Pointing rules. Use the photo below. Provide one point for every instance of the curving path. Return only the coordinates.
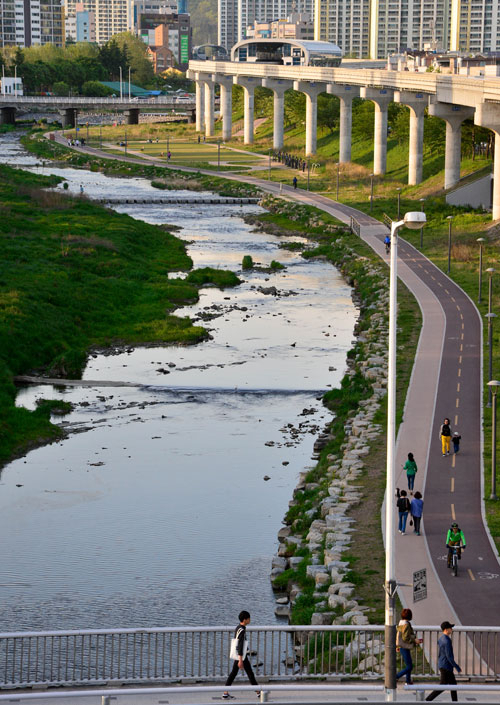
(446, 381)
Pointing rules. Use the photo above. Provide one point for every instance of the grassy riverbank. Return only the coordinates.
(76, 275)
(358, 262)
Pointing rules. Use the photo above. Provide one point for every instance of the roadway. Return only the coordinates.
(446, 381)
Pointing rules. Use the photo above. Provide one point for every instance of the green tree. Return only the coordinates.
(362, 119)
(95, 89)
(134, 54)
(328, 111)
(295, 108)
(60, 88)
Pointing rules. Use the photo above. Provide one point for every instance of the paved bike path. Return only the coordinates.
(446, 381)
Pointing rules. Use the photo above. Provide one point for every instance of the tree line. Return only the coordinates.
(79, 67)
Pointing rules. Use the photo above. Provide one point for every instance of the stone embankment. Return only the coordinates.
(313, 542)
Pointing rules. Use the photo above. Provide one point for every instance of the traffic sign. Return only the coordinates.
(419, 585)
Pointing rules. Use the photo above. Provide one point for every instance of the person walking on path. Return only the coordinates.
(403, 505)
(445, 435)
(456, 441)
(241, 651)
(416, 509)
(294, 182)
(446, 662)
(411, 471)
(405, 641)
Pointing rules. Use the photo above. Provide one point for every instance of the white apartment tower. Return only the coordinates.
(236, 15)
(376, 28)
(111, 16)
(345, 23)
(227, 34)
(475, 26)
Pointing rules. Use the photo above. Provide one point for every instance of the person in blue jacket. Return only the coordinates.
(446, 662)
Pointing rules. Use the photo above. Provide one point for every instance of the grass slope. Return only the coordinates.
(76, 275)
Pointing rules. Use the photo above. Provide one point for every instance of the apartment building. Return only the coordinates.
(36, 22)
(110, 16)
(377, 28)
(170, 31)
(475, 26)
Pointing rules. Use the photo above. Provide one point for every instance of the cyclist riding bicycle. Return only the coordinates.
(454, 539)
(387, 243)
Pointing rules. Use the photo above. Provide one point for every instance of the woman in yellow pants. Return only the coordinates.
(445, 433)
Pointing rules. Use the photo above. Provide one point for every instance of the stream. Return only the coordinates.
(154, 511)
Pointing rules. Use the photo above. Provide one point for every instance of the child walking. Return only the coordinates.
(456, 441)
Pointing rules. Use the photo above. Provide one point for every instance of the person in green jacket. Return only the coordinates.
(411, 470)
(455, 538)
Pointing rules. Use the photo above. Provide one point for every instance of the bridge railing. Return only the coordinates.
(276, 652)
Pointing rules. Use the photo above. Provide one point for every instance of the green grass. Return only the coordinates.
(75, 275)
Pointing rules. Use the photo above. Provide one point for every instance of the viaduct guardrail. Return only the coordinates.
(93, 657)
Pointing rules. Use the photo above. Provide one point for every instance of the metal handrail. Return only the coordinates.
(169, 654)
(387, 220)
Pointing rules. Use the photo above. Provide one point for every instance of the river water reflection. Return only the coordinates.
(157, 513)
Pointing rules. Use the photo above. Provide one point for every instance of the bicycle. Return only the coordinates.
(454, 560)
(387, 247)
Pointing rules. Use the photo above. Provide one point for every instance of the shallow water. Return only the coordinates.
(156, 512)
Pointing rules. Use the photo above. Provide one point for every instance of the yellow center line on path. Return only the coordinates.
(453, 299)
(453, 512)
(459, 371)
(456, 419)
(453, 465)
(457, 403)
(471, 574)
(453, 481)
(460, 360)
(439, 283)
(447, 291)
(462, 325)
(458, 386)
(462, 316)
(461, 347)
(420, 265)
(462, 337)
(433, 277)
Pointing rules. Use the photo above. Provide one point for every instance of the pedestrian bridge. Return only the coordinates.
(278, 653)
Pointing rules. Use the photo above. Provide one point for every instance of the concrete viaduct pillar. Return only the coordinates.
(8, 116)
(381, 98)
(311, 91)
(209, 107)
(200, 98)
(346, 95)
(488, 115)
(226, 104)
(278, 87)
(248, 83)
(417, 102)
(69, 117)
(453, 115)
(132, 116)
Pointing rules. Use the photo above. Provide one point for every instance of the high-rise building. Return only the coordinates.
(36, 22)
(377, 28)
(345, 23)
(111, 16)
(236, 15)
(475, 26)
(80, 27)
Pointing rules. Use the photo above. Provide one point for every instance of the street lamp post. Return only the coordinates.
(490, 271)
(218, 155)
(121, 84)
(490, 316)
(422, 200)
(100, 135)
(480, 241)
(308, 172)
(125, 140)
(269, 171)
(129, 68)
(371, 193)
(338, 181)
(449, 219)
(493, 385)
(413, 220)
(399, 203)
